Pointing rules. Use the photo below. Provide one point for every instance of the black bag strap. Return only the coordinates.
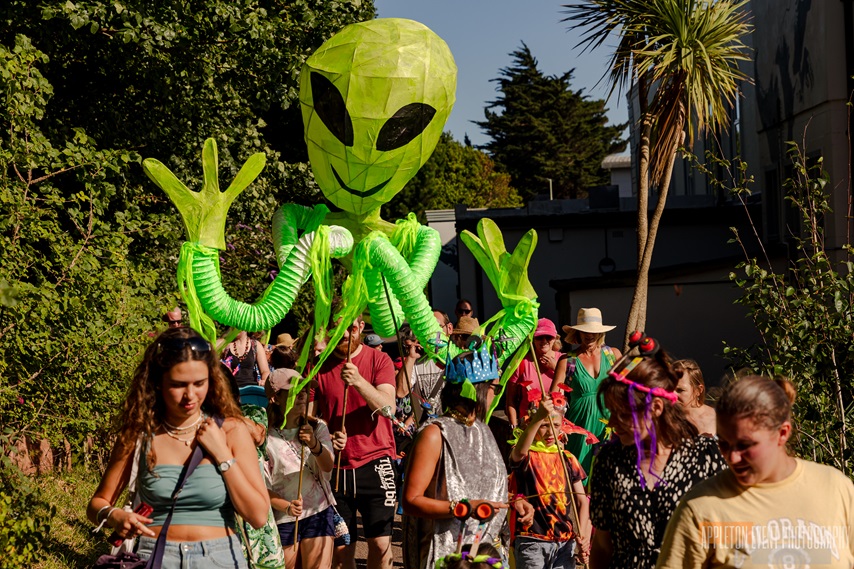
(156, 559)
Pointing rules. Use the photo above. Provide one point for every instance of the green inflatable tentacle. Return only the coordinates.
(405, 281)
(278, 298)
(414, 248)
(288, 221)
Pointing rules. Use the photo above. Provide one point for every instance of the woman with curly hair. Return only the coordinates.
(176, 399)
(657, 457)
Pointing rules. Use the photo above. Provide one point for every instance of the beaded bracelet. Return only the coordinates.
(319, 451)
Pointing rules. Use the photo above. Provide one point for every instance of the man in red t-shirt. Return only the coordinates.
(366, 443)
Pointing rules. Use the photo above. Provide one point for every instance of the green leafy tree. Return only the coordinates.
(25, 518)
(159, 78)
(804, 316)
(682, 57)
(88, 245)
(82, 307)
(541, 129)
(455, 174)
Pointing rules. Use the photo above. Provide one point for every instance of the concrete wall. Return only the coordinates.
(690, 315)
(443, 289)
(801, 96)
(578, 246)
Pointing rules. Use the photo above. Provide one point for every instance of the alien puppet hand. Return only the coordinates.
(204, 212)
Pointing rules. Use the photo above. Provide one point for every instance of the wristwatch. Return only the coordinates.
(223, 466)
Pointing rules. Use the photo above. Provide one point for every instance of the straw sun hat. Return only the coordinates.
(466, 325)
(285, 340)
(589, 320)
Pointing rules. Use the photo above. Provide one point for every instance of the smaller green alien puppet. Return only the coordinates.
(375, 98)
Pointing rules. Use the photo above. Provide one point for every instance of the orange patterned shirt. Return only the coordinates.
(540, 477)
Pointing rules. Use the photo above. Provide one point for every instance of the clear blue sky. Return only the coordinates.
(482, 34)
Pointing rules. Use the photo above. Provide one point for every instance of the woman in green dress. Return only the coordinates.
(583, 369)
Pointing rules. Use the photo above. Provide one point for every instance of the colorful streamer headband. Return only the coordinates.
(647, 348)
(654, 391)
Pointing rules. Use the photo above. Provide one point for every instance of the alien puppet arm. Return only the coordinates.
(298, 236)
(396, 275)
(508, 273)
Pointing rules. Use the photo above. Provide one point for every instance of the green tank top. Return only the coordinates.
(204, 500)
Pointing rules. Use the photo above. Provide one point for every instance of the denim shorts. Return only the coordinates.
(320, 524)
(533, 553)
(223, 552)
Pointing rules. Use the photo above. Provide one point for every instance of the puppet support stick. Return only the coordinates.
(299, 489)
(554, 434)
(343, 412)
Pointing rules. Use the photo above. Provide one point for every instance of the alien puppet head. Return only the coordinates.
(375, 98)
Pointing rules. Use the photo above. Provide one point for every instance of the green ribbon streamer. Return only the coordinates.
(405, 235)
(468, 390)
(321, 270)
(508, 371)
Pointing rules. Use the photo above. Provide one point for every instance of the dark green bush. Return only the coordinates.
(24, 518)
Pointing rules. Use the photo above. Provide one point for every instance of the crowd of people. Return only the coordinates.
(615, 461)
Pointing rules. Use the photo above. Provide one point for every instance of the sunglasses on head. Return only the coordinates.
(174, 345)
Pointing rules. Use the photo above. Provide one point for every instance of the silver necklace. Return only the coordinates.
(174, 432)
(175, 429)
(177, 438)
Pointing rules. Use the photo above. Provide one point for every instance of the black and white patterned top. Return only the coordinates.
(635, 515)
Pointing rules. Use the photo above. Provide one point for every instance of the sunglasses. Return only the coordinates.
(174, 345)
(463, 310)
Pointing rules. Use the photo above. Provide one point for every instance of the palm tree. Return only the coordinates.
(682, 57)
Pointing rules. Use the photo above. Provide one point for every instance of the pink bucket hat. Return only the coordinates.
(545, 327)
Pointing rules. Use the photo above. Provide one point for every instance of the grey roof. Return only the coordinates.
(617, 161)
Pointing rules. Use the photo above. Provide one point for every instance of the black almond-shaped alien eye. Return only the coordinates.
(407, 123)
(329, 106)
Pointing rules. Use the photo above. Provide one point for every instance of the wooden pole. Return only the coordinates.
(343, 412)
(301, 468)
(299, 488)
(571, 493)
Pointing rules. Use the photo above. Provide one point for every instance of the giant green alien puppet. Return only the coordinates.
(375, 98)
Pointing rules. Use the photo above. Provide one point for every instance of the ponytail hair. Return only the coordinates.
(768, 402)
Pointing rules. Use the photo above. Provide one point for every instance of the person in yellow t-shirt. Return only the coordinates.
(769, 509)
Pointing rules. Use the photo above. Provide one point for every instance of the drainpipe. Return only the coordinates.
(848, 26)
